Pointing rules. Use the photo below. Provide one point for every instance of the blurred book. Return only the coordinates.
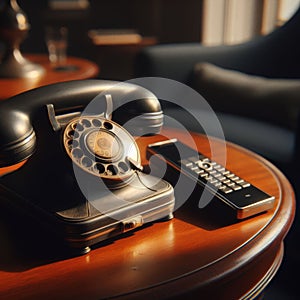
(114, 36)
(68, 4)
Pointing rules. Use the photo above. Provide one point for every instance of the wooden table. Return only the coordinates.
(195, 255)
(77, 68)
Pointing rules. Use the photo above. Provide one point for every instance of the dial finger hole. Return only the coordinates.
(97, 123)
(123, 167)
(69, 143)
(112, 170)
(99, 168)
(76, 135)
(77, 153)
(86, 123)
(87, 162)
(73, 143)
(71, 133)
(108, 125)
(79, 127)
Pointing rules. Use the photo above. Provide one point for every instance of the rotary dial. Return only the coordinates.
(101, 147)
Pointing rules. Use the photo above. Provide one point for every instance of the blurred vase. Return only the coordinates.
(14, 28)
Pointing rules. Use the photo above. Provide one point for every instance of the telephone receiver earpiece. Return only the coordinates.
(17, 137)
(22, 124)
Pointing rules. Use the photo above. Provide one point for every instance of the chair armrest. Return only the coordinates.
(268, 99)
(176, 61)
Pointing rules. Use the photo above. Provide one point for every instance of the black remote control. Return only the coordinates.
(246, 199)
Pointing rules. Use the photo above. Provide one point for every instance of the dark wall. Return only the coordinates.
(168, 21)
(35, 12)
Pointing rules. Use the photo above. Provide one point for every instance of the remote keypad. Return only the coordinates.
(215, 174)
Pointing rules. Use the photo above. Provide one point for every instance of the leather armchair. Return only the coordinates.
(267, 66)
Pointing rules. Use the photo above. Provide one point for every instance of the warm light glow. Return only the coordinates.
(12, 168)
(22, 21)
(167, 238)
(87, 259)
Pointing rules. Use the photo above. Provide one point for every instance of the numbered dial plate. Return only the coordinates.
(103, 144)
(100, 147)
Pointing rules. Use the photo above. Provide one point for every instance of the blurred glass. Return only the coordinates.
(57, 44)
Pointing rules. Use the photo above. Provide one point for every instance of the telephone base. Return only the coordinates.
(140, 205)
(169, 217)
(81, 251)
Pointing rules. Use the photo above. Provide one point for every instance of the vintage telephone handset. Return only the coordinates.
(82, 177)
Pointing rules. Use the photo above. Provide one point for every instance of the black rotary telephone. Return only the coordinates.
(82, 177)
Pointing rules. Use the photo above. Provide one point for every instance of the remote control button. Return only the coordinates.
(218, 175)
(227, 190)
(213, 181)
(204, 175)
(236, 187)
(199, 171)
(230, 175)
(189, 164)
(217, 167)
(204, 165)
(246, 184)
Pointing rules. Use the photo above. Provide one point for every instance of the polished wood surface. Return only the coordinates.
(77, 68)
(196, 255)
